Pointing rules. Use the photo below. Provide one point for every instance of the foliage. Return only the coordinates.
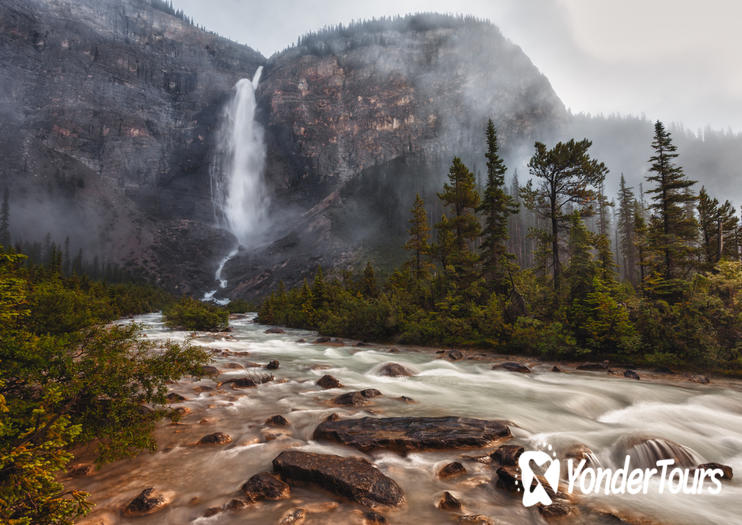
(191, 314)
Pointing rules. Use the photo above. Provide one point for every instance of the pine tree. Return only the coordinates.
(496, 206)
(419, 240)
(516, 239)
(672, 230)
(567, 177)
(627, 234)
(461, 197)
(5, 220)
(369, 288)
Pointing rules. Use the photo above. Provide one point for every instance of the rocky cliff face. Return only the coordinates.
(109, 111)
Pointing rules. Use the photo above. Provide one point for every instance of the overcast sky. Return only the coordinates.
(676, 60)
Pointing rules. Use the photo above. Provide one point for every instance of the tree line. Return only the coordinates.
(544, 268)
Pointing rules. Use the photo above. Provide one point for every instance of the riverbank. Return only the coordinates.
(230, 432)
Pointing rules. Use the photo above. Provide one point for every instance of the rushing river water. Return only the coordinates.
(601, 411)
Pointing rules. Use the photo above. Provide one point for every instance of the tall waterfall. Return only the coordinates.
(238, 193)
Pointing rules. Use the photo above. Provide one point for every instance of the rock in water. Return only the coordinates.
(149, 501)
(727, 472)
(273, 365)
(403, 434)
(265, 486)
(451, 470)
(275, 330)
(512, 366)
(395, 370)
(354, 478)
(277, 421)
(327, 381)
(217, 438)
(355, 399)
(449, 502)
(507, 454)
(631, 374)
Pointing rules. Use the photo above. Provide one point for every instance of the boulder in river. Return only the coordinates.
(277, 421)
(149, 501)
(208, 370)
(727, 472)
(217, 438)
(250, 381)
(327, 381)
(265, 486)
(273, 365)
(645, 452)
(449, 502)
(513, 366)
(592, 366)
(454, 355)
(555, 369)
(293, 517)
(275, 330)
(474, 519)
(699, 379)
(631, 374)
(507, 454)
(354, 478)
(404, 434)
(451, 470)
(174, 397)
(357, 398)
(371, 517)
(395, 370)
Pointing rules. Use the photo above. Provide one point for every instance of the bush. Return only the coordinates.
(191, 314)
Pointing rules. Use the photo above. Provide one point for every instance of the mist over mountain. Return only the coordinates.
(110, 111)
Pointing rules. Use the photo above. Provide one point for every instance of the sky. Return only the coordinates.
(673, 60)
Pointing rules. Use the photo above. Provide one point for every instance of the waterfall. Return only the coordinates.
(238, 193)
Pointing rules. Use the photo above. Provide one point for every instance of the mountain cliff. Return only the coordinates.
(110, 110)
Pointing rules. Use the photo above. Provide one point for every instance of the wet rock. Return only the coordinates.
(555, 369)
(234, 366)
(474, 519)
(332, 417)
(645, 452)
(406, 399)
(275, 330)
(293, 517)
(354, 478)
(149, 501)
(454, 355)
(353, 399)
(449, 502)
(80, 470)
(370, 393)
(302, 340)
(578, 452)
(202, 388)
(327, 381)
(248, 381)
(172, 397)
(699, 379)
(512, 366)
(508, 477)
(371, 517)
(208, 370)
(321, 340)
(592, 366)
(728, 473)
(451, 470)
(631, 374)
(556, 510)
(272, 365)
(277, 421)
(217, 438)
(211, 511)
(236, 504)
(393, 350)
(265, 486)
(395, 370)
(361, 344)
(181, 411)
(507, 454)
(403, 434)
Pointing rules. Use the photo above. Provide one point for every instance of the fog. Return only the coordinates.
(673, 60)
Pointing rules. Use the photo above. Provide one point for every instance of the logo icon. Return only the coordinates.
(536, 493)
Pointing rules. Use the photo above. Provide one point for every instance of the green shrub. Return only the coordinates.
(191, 314)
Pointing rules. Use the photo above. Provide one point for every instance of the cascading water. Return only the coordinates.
(238, 193)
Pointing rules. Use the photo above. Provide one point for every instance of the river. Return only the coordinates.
(598, 410)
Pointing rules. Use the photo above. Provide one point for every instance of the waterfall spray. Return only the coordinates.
(239, 196)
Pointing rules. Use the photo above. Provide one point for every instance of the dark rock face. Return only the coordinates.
(248, 381)
(512, 366)
(452, 470)
(149, 501)
(507, 454)
(395, 370)
(404, 434)
(217, 438)
(277, 421)
(327, 381)
(265, 486)
(727, 472)
(356, 399)
(354, 478)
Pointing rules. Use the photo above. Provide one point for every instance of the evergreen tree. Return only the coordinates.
(461, 197)
(496, 206)
(672, 231)
(5, 220)
(626, 231)
(516, 239)
(567, 176)
(419, 240)
(369, 288)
